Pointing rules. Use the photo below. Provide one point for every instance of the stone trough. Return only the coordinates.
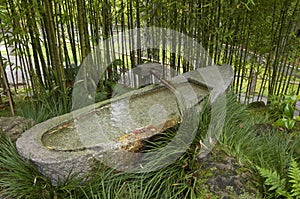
(76, 142)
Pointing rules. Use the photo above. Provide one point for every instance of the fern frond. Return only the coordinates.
(294, 175)
(284, 193)
(273, 179)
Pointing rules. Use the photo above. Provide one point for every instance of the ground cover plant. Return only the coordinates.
(283, 109)
(261, 145)
(243, 137)
(268, 149)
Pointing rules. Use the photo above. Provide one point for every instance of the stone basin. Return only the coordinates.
(74, 143)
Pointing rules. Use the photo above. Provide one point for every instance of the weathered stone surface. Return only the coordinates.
(225, 176)
(57, 162)
(13, 127)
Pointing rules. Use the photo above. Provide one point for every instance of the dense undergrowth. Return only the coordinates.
(247, 135)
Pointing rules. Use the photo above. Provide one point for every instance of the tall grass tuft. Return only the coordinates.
(175, 181)
(19, 179)
(48, 104)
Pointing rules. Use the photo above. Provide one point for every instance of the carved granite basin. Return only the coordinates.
(75, 142)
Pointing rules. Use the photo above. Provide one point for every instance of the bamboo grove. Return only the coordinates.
(48, 38)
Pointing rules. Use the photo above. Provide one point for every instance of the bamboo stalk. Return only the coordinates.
(7, 88)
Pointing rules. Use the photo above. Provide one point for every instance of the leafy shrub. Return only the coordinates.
(283, 109)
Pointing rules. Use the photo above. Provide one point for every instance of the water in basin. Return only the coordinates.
(139, 116)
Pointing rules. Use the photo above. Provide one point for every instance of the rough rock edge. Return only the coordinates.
(225, 176)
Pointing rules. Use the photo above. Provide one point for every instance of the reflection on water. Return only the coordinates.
(120, 116)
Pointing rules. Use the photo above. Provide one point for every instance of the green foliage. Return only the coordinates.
(294, 175)
(71, 72)
(249, 135)
(285, 122)
(3, 16)
(274, 180)
(283, 109)
(174, 181)
(47, 104)
(222, 27)
(182, 178)
(19, 179)
(239, 133)
(279, 186)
